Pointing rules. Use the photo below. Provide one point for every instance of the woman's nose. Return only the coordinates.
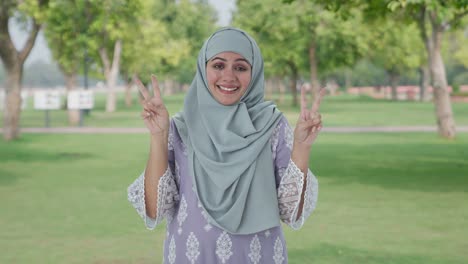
(228, 74)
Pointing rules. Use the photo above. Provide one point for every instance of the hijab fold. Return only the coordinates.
(229, 155)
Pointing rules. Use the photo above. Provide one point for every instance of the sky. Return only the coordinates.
(41, 52)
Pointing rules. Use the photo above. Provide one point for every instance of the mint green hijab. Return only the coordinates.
(229, 155)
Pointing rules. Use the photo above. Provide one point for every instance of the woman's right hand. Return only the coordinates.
(154, 114)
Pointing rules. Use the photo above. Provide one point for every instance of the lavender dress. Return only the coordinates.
(190, 238)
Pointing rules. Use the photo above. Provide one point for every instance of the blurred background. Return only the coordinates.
(392, 160)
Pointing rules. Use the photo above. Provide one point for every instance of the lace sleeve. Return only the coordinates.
(290, 179)
(168, 194)
(167, 198)
(290, 192)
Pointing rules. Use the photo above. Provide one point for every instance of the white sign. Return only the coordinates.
(46, 100)
(80, 99)
(24, 99)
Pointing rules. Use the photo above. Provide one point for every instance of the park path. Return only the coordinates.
(128, 130)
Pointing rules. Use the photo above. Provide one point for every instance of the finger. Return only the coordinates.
(303, 97)
(156, 91)
(142, 88)
(150, 107)
(308, 124)
(315, 116)
(145, 114)
(303, 102)
(318, 100)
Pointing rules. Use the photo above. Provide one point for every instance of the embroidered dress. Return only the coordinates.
(190, 238)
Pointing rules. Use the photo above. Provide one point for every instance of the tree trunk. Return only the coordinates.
(282, 90)
(314, 82)
(443, 105)
(128, 91)
(348, 79)
(293, 82)
(111, 72)
(128, 94)
(73, 114)
(168, 86)
(268, 89)
(292, 87)
(394, 84)
(12, 108)
(424, 81)
(13, 61)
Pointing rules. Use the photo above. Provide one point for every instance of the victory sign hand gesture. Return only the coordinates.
(154, 114)
(310, 121)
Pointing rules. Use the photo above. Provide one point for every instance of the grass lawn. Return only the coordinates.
(343, 110)
(384, 198)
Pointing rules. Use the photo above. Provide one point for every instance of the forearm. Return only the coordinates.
(155, 168)
(300, 156)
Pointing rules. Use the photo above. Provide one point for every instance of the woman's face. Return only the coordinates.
(228, 75)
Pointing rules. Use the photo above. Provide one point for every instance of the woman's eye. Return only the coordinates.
(241, 68)
(218, 66)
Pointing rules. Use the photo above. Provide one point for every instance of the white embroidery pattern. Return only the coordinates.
(172, 251)
(288, 134)
(182, 215)
(168, 196)
(177, 173)
(274, 139)
(255, 248)
(267, 233)
(136, 195)
(170, 139)
(184, 148)
(223, 247)
(192, 244)
(208, 226)
(278, 251)
(310, 202)
(289, 191)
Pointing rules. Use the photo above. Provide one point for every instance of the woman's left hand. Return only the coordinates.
(310, 121)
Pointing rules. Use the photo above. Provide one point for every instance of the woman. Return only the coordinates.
(226, 170)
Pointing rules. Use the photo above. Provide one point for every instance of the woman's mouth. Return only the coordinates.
(227, 90)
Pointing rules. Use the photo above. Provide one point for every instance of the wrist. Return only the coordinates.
(159, 138)
(301, 146)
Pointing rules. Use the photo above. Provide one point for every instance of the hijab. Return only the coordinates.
(229, 155)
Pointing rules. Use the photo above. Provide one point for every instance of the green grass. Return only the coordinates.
(384, 198)
(343, 110)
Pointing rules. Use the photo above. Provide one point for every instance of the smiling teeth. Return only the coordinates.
(227, 89)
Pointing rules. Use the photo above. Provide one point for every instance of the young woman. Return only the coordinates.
(228, 168)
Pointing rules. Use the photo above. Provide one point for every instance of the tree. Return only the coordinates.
(111, 20)
(31, 13)
(300, 35)
(434, 18)
(277, 31)
(65, 27)
(395, 47)
(190, 22)
(440, 15)
(161, 49)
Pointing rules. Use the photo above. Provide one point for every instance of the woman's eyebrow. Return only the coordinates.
(242, 59)
(223, 59)
(218, 58)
